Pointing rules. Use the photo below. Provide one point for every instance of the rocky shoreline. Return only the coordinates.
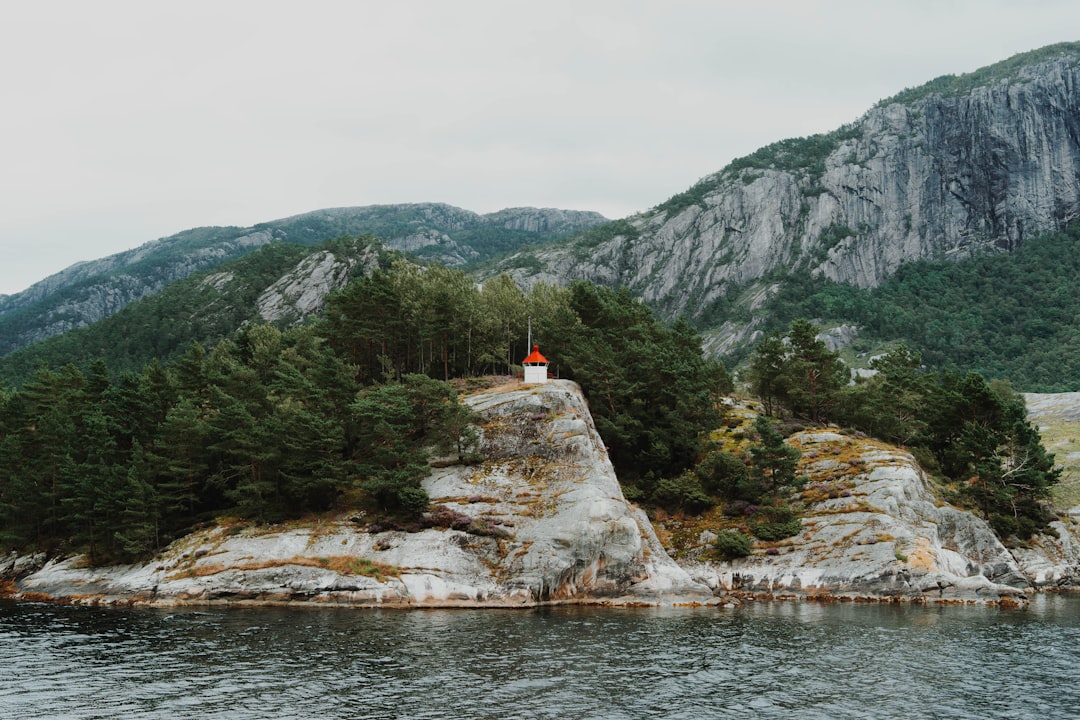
(543, 521)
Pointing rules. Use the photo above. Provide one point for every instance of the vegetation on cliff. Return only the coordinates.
(971, 433)
(1009, 316)
(272, 424)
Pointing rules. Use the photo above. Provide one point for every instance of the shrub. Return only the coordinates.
(775, 523)
(683, 492)
(412, 500)
(732, 544)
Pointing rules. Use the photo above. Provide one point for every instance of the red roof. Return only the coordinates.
(535, 358)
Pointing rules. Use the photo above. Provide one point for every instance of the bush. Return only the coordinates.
(732, 544)
(775, 523)
(681, 493)
(724, 474)
(412, 500)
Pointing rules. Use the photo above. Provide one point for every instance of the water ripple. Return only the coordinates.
(763, 661)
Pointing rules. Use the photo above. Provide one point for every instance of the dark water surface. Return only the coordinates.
(769, 660)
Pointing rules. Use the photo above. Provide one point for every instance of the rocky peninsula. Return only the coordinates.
(542, 520)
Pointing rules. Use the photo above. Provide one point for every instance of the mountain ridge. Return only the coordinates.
(955, 174)
(91, 290)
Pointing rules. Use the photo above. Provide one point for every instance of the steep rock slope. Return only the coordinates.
(89, 291)
(965, 165)
(547, 523)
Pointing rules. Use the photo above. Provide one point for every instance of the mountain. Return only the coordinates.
(89, 291)
(960, 167)
(280, 283)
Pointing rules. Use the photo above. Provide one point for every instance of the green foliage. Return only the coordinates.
(683, 492)
(798, 373)
(953, 85)
(775, 523)
(272, 424)
(1004, 316)
(725, 475)
(695, 195)
(650, 390)
(203, 308)
(773, 461)
(732, 544)
(973, 432)
(269, 425)
(601, 234)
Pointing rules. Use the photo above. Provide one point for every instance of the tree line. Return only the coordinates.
(273, 424)
(970, 433)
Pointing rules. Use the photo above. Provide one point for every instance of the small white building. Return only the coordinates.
(536, 366)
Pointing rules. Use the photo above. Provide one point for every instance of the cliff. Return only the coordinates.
(965, 165)
(543, 520)
(874, 529)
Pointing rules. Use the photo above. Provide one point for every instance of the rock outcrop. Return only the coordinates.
(546, 522)
(303, 292)
(872, 530)
(543, 520)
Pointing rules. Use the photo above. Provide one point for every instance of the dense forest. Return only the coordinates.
(271, 424)
(1012, 316)
(206, 307)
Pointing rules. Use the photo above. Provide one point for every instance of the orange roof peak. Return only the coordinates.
(535, 358)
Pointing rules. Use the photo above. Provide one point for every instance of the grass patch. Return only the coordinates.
(341, 564)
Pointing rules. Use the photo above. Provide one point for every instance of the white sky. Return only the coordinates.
(122, 121)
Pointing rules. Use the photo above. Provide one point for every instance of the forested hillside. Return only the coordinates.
(338, 414)
(962, 167)
(204, 308)
(90, 291)
(1012, 317)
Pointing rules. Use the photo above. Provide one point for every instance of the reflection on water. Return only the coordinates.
(782, 660)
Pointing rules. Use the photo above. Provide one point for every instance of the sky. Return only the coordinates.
(122, 121)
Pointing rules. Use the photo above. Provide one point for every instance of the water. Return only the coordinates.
(768, 660)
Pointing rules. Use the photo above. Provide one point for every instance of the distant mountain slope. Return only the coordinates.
(959, 167)
(89, 291)
(282, 283)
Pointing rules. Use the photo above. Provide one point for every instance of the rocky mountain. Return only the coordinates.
(89, 291)
(964, 165)
(279, 283)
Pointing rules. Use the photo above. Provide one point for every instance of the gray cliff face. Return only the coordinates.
(543, 220)
(942, 176)
(303, 292)
(873, 530)
(90, 291)
(547, 523)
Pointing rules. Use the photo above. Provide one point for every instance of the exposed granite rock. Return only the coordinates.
(546, 522)
(89, 291)
(303, 292)
(549, 524)
(873, 530)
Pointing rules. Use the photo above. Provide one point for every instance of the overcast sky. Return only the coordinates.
(124, 120)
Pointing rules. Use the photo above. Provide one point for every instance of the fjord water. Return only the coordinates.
(782, 660)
